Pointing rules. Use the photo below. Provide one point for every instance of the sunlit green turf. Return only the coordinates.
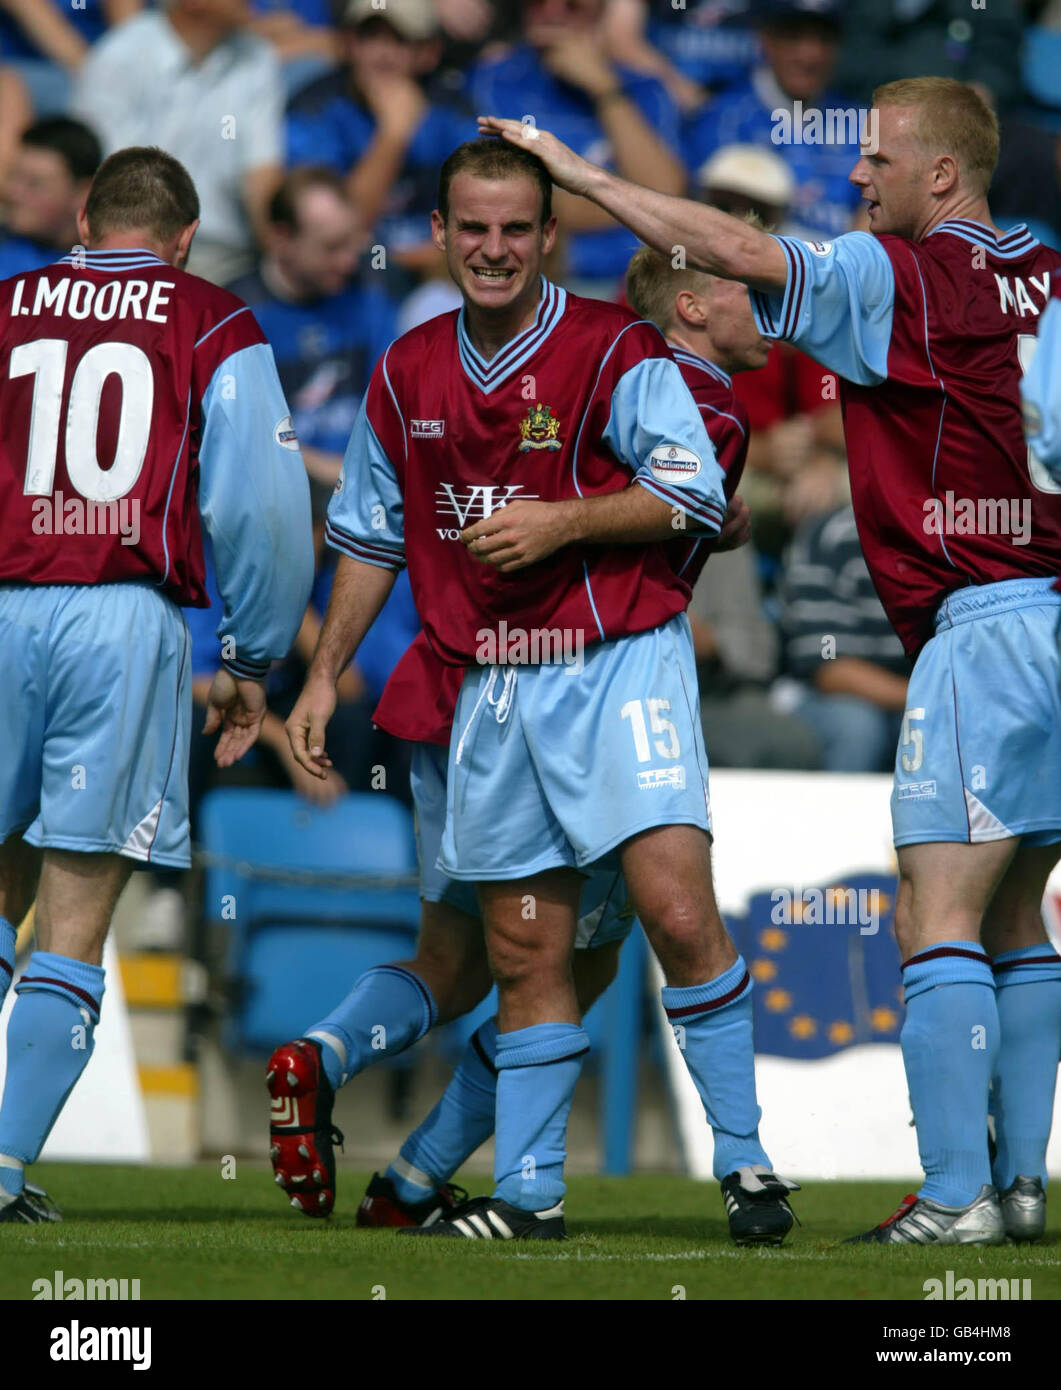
(190, 1233)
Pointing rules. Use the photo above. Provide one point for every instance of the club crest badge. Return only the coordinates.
(540, 429)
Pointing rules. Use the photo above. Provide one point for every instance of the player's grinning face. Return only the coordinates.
(895, 178)
(494, 242)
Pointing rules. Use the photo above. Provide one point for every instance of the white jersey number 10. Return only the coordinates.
(45, 359)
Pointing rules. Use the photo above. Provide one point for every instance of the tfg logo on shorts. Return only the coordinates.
(661, 777)
(915, 791)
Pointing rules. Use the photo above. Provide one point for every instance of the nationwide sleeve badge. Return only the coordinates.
(540, 429)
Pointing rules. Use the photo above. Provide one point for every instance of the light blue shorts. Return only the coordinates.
(979, 756)
(553, 766)
(95, 715)
(605, 911)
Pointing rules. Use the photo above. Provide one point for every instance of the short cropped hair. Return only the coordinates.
(494, 159)
(953, 119)
(71, 140)
(652, 282)
(141, 188)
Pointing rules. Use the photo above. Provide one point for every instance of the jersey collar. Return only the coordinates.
(120, 258)
(683, 354)
(1018, 241)
(489, 375)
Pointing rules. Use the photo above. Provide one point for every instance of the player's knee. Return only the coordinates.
(680, 922)
(515, 964)
(684, 936)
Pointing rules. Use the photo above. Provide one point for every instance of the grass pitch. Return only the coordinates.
(189, 1233)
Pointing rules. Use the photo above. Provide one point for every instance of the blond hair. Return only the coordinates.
(652, 281)
(953, 119)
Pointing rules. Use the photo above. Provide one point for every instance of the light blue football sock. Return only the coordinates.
(8, 935)
(712, 1023)
(461, 1121)
(49, 1042)
(388, 1009)
(950, 1048)
(538, 1068)
(1028, 995)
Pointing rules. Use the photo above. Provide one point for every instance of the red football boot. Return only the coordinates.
(301, 1132)
(381, 1205)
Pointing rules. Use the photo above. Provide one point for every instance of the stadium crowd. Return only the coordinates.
(314, 131)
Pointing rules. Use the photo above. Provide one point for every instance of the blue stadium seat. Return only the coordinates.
(297, 945)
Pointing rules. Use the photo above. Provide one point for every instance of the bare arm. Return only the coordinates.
(52, 34)
(640, 153)
(259, 185)
(850, 675)
(16, 112)
(623, 26)
(118, 11)
(398, 106)
(712, 240)
(358, 594)
(525, 532)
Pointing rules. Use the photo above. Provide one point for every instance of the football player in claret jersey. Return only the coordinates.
(704, 318)
(929, 322)
(139, 404)
(1041, 389)
(574, 415)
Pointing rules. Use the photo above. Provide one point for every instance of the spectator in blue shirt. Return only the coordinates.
(787, 105)
(694, 48)
(303, 36)
(561, 76)
(326, 327)
(377, 123)
(47, 186)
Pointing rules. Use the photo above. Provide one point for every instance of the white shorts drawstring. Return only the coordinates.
(501, 706)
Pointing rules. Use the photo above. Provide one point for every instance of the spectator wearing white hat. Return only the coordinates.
(796, 453)
(787, 106)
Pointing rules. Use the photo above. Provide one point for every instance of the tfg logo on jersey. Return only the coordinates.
(475, 504)
(670, 463)
(427, 429)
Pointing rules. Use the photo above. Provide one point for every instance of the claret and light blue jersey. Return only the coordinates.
(1041, 390)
